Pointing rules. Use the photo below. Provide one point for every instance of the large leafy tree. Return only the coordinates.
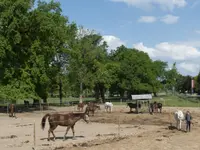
(88, 64)
(30, 40)
(157, 75)
(135, 70)
(171, 77)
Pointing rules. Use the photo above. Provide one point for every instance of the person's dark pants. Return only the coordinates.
(188, 123)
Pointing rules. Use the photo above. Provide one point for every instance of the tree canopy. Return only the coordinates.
(42, 52)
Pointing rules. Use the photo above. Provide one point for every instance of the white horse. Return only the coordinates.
(179, 117)
(108, 105)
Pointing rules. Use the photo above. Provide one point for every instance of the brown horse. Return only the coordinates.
(92, 107)
(11, 111)
(69, 120)
(155, 106)
(80, 106)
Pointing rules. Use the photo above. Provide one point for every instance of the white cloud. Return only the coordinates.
(184, 54)
(187, 57)
(147, 4)
(170, 51)
(147, 19)
(140, 46)
(113, 42)
(194, 43)
(197, 31)
(170, 19)
(189, 67)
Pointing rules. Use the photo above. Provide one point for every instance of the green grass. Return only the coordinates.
(172, 101)
(175, 101)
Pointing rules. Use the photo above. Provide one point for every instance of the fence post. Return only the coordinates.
(119, 127)
(7, 108)
(34, 140)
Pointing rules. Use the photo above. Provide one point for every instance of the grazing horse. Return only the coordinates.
(80, 106)
(155, 106)
(179, 117)
(68, 120)
(131, 106)
(26, 103)
(92, 107)
(108, 106)
(11, 110)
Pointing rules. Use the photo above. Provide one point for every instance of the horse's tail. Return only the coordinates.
(44, 121)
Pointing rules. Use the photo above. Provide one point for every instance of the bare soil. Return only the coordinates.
(118, 130)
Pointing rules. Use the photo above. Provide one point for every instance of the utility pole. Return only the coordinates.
(192, 85)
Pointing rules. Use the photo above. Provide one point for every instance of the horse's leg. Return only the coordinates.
(51, 131)
(177, 121)
(180, 125)
(72, 127)
(66, 132)
(92, 112)
(54, 137)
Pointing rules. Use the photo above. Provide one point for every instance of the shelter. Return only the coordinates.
(142, 97)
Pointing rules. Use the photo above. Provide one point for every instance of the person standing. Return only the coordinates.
(188, 119)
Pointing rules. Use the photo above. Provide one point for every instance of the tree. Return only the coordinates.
(197, 83)
(88, 61)
(171, 77)
(30, 40)
(157, 75)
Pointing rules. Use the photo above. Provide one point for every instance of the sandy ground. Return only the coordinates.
(119, 130)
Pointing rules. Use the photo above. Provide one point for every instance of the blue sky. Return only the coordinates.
(165, 29)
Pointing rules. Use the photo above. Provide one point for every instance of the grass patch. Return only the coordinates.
(172, 101)
(166, 100)
(176, 101)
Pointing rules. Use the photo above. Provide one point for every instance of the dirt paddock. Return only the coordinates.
(118, 130)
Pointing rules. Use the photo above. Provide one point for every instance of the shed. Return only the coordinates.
(141, 97)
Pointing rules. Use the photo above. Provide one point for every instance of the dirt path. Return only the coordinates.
(137, 131)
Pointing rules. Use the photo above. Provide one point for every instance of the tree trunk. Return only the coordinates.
(60, 91)
(96, 89)
(155, 94)
(52, 91)
(102, 92)
(81, 92)
(121, 93)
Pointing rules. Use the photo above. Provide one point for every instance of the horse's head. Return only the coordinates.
(98, 107)
(128, 104)
(86, 118)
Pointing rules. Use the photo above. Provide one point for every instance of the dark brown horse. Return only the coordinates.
(92, 107)
(80, 106)
(131, 106)
(69, 120)
(155, 106)
(11, 110)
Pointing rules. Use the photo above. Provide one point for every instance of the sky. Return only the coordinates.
(168, 30)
